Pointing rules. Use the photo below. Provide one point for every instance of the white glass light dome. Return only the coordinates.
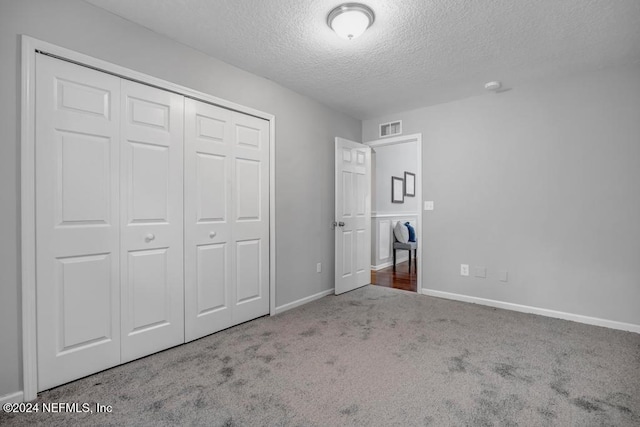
(350, 20)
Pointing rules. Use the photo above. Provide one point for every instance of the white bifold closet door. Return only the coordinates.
(77, 221)
(123, 218)
(151, 190)
(109, 207)
(226, 218)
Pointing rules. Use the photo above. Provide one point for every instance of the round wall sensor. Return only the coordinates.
(493, 86)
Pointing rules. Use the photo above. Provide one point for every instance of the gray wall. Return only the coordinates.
(542, 181)
(304, 153)
(388, 161)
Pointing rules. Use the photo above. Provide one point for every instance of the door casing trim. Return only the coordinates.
(417, 138)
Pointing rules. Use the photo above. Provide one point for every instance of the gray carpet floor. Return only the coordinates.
(373, 357)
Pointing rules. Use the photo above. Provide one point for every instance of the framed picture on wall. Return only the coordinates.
(397, 189)
(409, 184)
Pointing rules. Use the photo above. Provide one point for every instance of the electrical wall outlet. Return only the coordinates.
(319, 267)
(481, 272)
(503, 275)
(428, 205)
(464, 269)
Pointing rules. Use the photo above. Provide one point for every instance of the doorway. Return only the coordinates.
(396, 201)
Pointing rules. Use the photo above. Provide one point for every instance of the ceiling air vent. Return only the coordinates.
(391, 128)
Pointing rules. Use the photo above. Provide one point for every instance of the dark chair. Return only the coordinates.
(409, 246)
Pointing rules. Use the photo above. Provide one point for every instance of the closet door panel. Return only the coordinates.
(211, 278)
(226, 218)
(151, 211)
(77, 221)
(148, 183)
(248, 266)
(250, 218)
(209, 254)
(211, 188)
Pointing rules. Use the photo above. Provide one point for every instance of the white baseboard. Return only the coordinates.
(303, 301)
(16, 397)
(612, 324)
(390, 263)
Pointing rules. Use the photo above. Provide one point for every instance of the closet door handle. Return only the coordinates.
(150, 237)
(212, 234)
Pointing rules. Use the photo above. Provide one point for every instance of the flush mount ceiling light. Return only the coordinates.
(493, 86)
(350, 20)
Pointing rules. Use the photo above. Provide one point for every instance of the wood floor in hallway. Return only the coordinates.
(402, 278)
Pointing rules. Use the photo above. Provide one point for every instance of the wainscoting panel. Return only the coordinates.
(384, 242)
(382, 238)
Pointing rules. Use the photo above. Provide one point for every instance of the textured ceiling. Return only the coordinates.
(417, 53)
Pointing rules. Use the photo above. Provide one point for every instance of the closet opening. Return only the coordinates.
(147, 214)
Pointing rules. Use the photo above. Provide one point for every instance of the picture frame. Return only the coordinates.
(397, 189)
(409, 184)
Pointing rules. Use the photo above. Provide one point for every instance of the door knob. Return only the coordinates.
(212, 234)
(341, 224)
(150, 237)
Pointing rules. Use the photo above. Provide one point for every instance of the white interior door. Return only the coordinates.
(151, 203)
(77, 221)
(226, 218)
(353, 215)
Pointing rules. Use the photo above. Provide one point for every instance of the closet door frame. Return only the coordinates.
(30, 47)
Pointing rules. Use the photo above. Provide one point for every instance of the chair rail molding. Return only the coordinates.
(393, 215)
